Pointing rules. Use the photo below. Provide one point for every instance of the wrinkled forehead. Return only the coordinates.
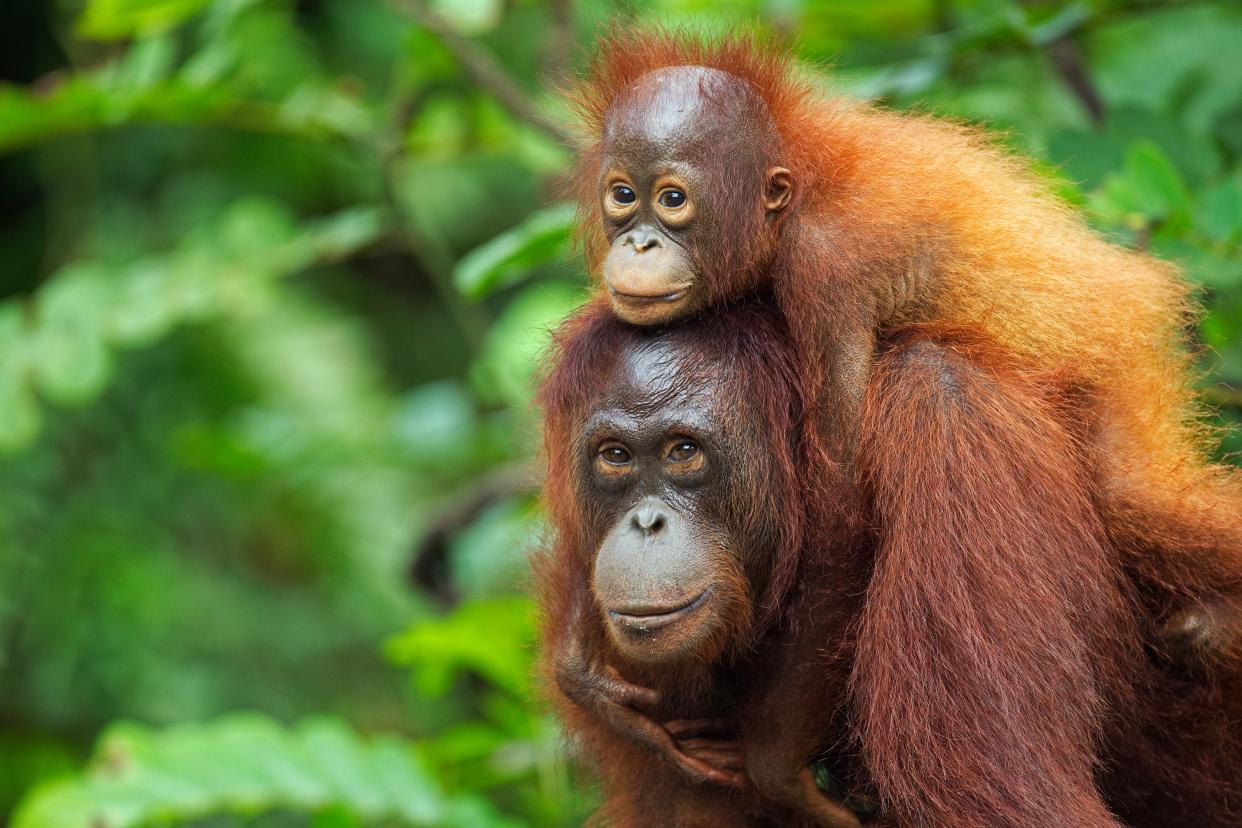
(680, 108)
(665, 374)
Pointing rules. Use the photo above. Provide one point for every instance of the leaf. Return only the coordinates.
(241, 765)
(1064, 21)
(88, 310)
(72, 366)
(19, 413)
(1181, 61)
(516, 343)
(116, 19)
(1156, 183)
(69, 360)
(402, 776)
(1218, 210)
(135, 91)
(493, 637)
(437, 424)
(469, 16)
(492, 554)
(1091, 155)
(512, 255)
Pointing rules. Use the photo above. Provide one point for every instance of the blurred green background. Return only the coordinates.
(274, 279)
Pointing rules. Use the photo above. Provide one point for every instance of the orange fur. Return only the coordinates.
(932, 222)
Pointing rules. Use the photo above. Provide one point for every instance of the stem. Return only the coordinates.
(486, 70)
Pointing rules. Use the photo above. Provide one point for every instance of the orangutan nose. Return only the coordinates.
(649, 519)
(644, 240)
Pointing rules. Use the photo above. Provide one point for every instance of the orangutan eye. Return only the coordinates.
(623, 194)
(615, 455)
(672, 199)
(683, 451)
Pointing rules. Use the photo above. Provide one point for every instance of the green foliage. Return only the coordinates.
(248, 765)
(493, 638)
(277, 280)
(108, 19)
(512, 255)
(63, 336)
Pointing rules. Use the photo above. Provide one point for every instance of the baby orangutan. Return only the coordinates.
(713, 173)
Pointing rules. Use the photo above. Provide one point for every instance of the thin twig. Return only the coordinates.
(1073, 71)
(559, 39)
(486, 70)
(435, 262)
(429, 563)
(1223, 395)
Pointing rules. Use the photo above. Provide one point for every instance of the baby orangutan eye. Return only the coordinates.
(672, 199)
(623, 194)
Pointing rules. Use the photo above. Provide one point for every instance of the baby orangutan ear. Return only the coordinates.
(778, 191)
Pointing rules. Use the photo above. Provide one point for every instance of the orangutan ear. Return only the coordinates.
(778, 189)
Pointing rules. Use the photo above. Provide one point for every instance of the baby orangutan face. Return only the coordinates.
(684, 184)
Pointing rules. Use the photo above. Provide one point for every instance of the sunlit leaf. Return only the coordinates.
(242, 765)
(514, 253)
(493, 637)
(469, 16)
(113, 19)
(518, 340)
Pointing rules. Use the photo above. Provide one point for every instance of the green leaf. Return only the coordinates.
(437, 424)
(19, 413)
(492, 637)
(69, 359)
(72, 365)
(1064, 21)
(512, 255)
(242, 765)
(87, 310)
(515, 345)
(135, 90)
(116, 19)
(408, 784)
(469, 16)
(20, 418)
(1092, 155)
(1158, 185)
(1218, 210)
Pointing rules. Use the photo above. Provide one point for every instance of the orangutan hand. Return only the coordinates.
(700, 748)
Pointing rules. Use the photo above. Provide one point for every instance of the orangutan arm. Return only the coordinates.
(995, 623)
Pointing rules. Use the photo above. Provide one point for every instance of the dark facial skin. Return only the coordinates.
(661, 459)
(670, 142)
(656, 458)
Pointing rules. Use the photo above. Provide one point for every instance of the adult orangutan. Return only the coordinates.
(950, 633)
(713, 173)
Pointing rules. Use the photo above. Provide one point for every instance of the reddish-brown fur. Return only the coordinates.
(900, 219)
(959, 634)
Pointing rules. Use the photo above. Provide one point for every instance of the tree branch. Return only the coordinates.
(484, 68)
(429, 564)
(559, 39)
(1073, 71)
